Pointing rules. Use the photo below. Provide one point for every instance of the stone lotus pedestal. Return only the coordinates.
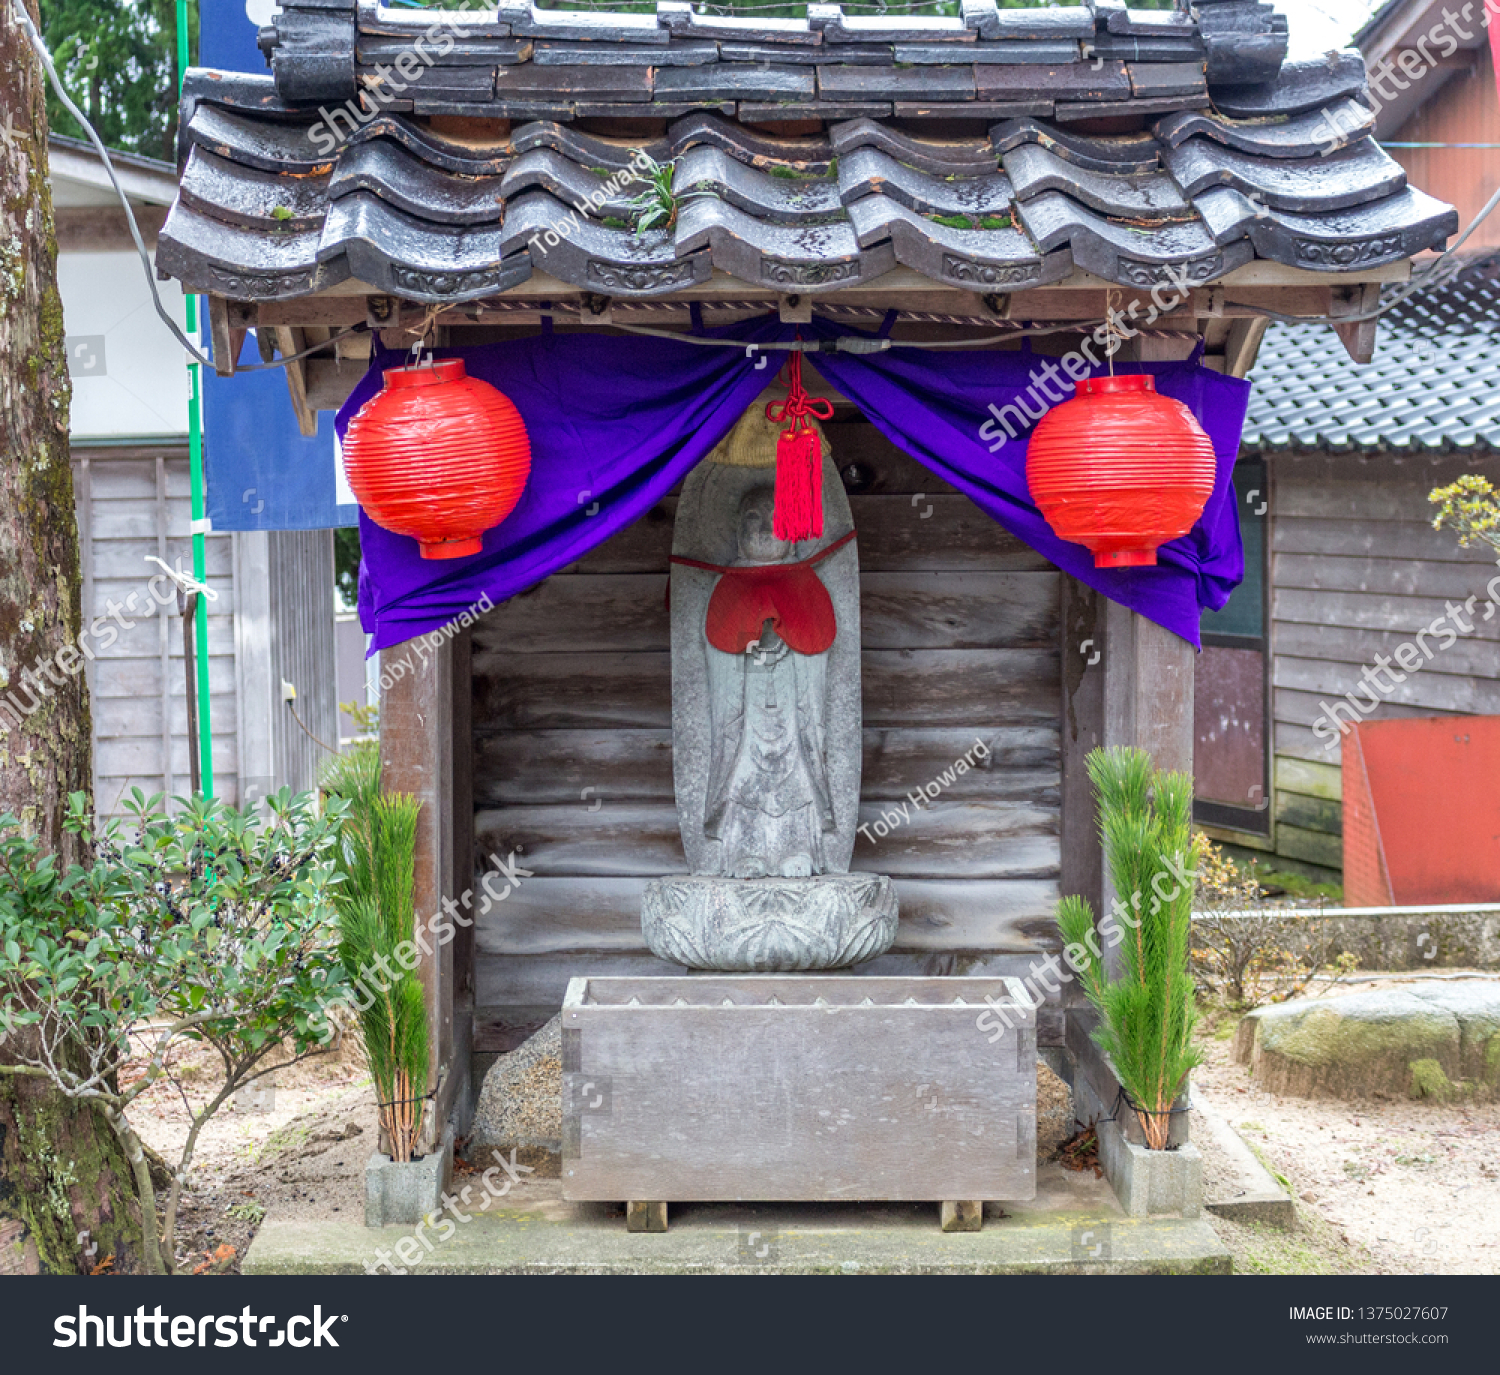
(770, 925)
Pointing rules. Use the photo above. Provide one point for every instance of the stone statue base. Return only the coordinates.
(770, 925)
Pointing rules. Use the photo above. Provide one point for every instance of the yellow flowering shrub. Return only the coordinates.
(1471, 507)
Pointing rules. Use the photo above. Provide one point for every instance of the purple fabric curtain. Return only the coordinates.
(616, 423)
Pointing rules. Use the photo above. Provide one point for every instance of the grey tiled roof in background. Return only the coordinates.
(952, 146)
(1434, 384)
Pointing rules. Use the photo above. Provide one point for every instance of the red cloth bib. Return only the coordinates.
(789, 595)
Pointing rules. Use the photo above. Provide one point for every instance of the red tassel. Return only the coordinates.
(799, 459)
(799, 485)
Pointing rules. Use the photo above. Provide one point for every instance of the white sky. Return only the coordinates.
(1318, 25)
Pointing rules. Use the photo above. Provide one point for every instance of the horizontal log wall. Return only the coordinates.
(573, 745)
(1358, 571)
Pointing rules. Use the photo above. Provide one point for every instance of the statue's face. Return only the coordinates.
(758, 542)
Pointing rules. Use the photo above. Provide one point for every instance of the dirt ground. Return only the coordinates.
(1382, 1187)
(301, 1150)
(1397, 1187)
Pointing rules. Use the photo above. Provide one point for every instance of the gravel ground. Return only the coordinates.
(1396, 1187)
(1382, 1187)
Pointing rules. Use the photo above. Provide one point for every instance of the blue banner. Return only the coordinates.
(262, 472)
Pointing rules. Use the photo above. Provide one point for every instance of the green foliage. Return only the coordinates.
(205, 915)
(1470, 506)
(118, 60)
(969, 222)
(1147, 1011)
(203, 925)
(346, 556)
(377, 921)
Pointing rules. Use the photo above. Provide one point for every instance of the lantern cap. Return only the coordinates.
(1127, 382)
(426, 374)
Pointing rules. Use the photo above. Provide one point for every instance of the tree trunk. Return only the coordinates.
(62, 1172)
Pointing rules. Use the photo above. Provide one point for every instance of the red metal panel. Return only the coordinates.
(1430, 809)
(1366, 883)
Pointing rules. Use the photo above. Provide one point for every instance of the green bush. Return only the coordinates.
(205, 925)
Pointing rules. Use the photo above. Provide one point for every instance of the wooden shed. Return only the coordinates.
(1351, 568)
(273, 619)
(1340, 456)
(995, 173)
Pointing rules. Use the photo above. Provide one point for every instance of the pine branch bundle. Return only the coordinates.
(376, 917)
(1147, 1009)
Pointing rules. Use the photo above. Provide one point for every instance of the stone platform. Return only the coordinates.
(1074, 1226)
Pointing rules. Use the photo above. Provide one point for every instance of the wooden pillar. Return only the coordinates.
(462, 829)
(1084, 627)
(416, 757)
(1126, 681)
(1148, 688)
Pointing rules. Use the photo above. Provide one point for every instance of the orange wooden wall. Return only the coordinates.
(1466, 110)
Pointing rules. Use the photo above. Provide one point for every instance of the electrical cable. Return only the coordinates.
(1435, 275)
(194, 353)
(1427, 280)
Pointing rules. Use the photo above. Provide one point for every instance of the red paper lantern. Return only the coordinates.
(1121, 470)
(438, 455)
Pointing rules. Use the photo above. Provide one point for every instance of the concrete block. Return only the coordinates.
(1149, 1183)
(406, 1193)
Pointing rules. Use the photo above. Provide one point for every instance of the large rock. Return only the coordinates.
(520, 1105)
(1054, 1112)
(1428, 1039)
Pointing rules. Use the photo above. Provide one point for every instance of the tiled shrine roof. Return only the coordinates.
(1434, 384)
(993, 151)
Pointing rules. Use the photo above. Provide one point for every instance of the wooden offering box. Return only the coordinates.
(797, 1088)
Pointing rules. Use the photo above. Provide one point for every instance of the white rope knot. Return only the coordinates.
(185, 582)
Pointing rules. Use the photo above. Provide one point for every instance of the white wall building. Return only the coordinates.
(274, 616)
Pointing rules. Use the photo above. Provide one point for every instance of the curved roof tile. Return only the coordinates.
(289, 180)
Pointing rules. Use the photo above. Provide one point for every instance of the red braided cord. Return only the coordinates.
(798, 405)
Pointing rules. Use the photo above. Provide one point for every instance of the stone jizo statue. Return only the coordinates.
(767, 727)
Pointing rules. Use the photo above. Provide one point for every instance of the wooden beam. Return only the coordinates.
(1358, 339)
(292, 341)
(1242, 347)
(966, 1216)
(226, 338)
(416, 757)
(1084, 631)
(104, 229)
(643, 1215)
